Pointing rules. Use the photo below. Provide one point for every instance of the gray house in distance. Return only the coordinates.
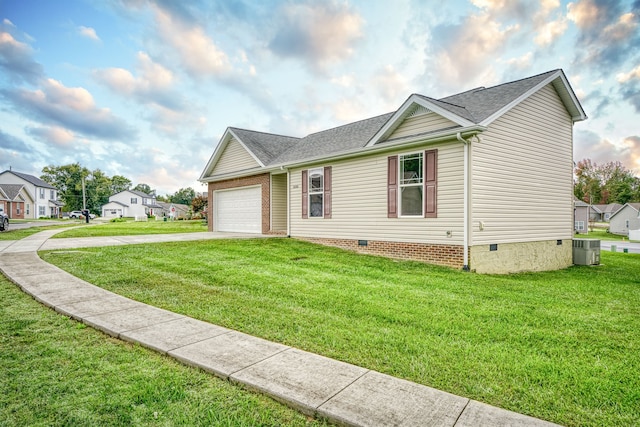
(457, 181)
(625, 219)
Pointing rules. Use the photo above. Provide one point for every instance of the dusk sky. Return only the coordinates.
(145, 89)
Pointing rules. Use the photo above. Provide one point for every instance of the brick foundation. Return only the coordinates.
(262, 180)
(446, 255)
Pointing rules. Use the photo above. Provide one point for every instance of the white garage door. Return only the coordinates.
(239, 210)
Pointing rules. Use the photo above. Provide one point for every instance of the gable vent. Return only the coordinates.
(418, 111)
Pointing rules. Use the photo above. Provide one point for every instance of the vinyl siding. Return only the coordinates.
(359, 202)
(234, 158)
(279, 202)
(421, 123)
(522, 174)
(618, 223)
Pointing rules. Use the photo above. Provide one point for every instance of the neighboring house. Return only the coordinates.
(174, 210)
(131, 203)
(581, 216)
(42, 198)
(15, 201)
(457, 181)
(606, 211)
(625, 219)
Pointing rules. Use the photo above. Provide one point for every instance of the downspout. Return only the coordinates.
(288, 202)
(465, 233)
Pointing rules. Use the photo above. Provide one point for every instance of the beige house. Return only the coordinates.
(457, 181)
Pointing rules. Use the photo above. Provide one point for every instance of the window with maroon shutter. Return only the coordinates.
(327, 192)
(392, 187)
(305, 194)
(431, 184)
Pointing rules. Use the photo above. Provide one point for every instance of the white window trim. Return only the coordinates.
(310, 193)
(579, 226)
(401, 186)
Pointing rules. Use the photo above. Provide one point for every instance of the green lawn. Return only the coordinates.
(562, 346)
(56, 372)
(14, 234)
(130, 227)
(602, 235)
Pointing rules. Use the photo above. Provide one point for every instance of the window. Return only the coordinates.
(28, 208)
(17, 210)
(53, 195)
(41, 211)
(411, 184)
(579, 226)
(134, 200)
(626, 223)
(42, 193)
(316, 191)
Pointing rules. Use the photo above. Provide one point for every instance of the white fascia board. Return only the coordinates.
(224, 141)
(406, 142)
(568, 98)
(237, 174)
(402, 111)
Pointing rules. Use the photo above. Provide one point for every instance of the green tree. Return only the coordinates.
(119, 184)
(143, 188)
(608, 183)
(68, 180)
(184, 196)
(588, 185)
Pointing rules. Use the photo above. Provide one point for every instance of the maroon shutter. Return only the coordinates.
(431, 184)
(327, 192)
(305, 194)
(392, 187)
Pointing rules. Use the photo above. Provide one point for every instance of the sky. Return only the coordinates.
(146, 88)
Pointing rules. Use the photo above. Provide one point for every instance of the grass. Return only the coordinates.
(130, 228)
(56, 371)
(562, 346)
(14, 234)
(602, 235)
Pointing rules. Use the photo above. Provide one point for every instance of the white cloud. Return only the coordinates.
(584, 13)
(57, 135)
(345, 80)
(88, 32)
(521, 63)
(321, 33)
(625, 77)
(391, 85)
(550, 31)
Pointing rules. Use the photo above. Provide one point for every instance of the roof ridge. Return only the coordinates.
(264, 133)
(513, 81)
(348, 124)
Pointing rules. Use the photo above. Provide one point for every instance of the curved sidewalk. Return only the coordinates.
(316, 385)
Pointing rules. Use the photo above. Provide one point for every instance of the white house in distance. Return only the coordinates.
(626, 219)
(131, 203)
(457, 181)
(41, 199)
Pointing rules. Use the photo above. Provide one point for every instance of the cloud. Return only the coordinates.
(550, 31)
(153, 85)
(70, 108)
(606, 32)
(592, 146)
(630, 87)
(465, 51)
(198, 53)
(59, 136)
(16, 57)
(88, 32)
(391, 85)
(12, 143)
(320, 34)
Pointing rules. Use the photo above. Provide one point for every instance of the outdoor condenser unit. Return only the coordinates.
(586, 251)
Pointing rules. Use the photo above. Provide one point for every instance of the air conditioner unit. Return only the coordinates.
(586, 251)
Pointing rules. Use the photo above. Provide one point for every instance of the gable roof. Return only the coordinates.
(31, 179)
(11, 190)
(609, 208)
(470, 111)
(634, 206)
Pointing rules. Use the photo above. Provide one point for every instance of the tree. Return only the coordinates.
(184, 196)
(119, 184)
(608, 183)
(199, 204)
(68, 180)
(144, 188)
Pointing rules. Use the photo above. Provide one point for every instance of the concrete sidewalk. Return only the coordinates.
(316, 385)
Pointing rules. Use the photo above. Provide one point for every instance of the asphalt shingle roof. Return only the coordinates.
(475, 105)
(11, 190)
(32, 179)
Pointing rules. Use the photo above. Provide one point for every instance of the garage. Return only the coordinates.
(239, 210)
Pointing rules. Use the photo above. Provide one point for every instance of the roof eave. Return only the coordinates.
(406, 142)
(222, 144)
